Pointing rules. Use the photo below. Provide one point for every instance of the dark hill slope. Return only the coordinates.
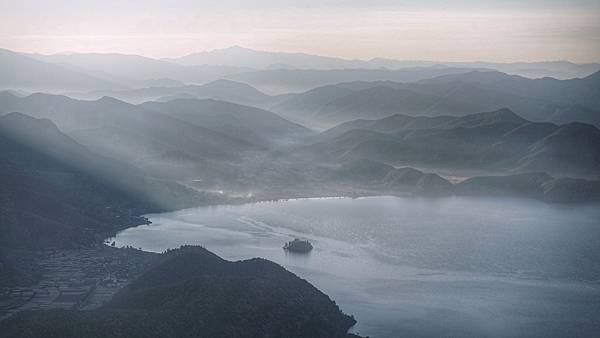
(332, 105)
(253, 125)
(225, 90)
(524, 185)
(55, 192)
(135, 70)
(537, 100)
(498, 141)
(532, 185)
(573, 148)
(389, 125)
(22, 72)
(299, 80)
(194, 293)
(376, 176)
(577, 113)
(584, 91)
(160, 144)
(501, 116)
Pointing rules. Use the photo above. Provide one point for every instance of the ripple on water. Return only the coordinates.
(417, 266)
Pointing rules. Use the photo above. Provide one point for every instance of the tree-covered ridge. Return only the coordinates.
(194, 293)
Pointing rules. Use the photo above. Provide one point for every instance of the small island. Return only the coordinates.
(298, 245)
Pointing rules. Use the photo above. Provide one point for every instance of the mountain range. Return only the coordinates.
(160, 144)
(184, 139)
(282, 81)
(556, 101)
(271, 72)
(22, 72)
(135, 70)
(225, 90)
(211, 139)
(497, 141)
(455, 95)
(257, 59)
(252, 125)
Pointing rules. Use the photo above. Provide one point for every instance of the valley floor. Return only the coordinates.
(81, 279)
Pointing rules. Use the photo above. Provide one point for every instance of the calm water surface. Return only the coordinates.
(455, 267)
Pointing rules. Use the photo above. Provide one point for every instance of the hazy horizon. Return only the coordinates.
(70, 52)
(505, 31)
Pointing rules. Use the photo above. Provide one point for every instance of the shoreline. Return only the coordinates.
(242, 201)
(102, 250)
(325, 251)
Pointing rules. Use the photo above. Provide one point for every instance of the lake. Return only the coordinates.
(418, 267)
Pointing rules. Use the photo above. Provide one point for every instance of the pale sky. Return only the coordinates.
(467, 30)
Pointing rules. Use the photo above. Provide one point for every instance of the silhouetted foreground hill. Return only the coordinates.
(194, 293)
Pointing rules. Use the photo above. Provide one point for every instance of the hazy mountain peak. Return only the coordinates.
(46, 98)
(228, 83)
(21, 71)
(593, 79)
(15, 118)
(576, 128)
(236, 48)
(7, 94)
(110, 99)
(39, 133)
(503, 115)
(483, 76)
(251, 58)
(230, 88)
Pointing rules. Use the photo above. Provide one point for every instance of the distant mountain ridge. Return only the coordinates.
(225, 90)
(268, 71)
(254, 125)
(161, 144)
(497, 141)
(264, 59)
(537, 185)
(22, 72)
(133, 70)
(382, 178)
(261, 59)
(457, 94)
(182, 139)
(281, 81)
